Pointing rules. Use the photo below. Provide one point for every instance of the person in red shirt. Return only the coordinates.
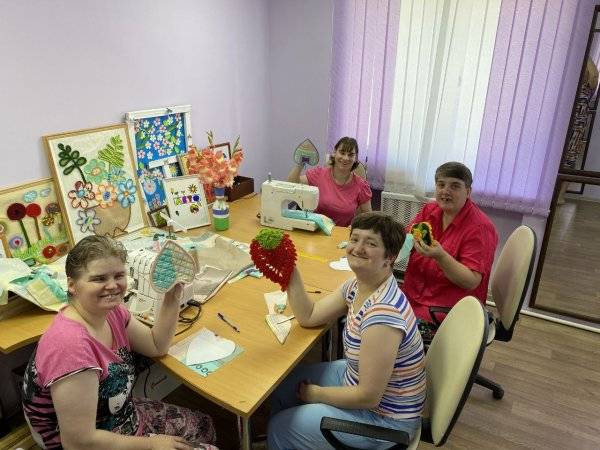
(459, 261)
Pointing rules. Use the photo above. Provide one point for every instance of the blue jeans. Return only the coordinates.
(295, 425)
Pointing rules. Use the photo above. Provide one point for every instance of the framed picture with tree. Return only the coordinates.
(96, 182)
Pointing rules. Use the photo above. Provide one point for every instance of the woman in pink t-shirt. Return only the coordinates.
(342, 193)
(77, 386)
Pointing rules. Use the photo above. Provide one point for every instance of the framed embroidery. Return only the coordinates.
(94, 173)
(31, 223)
(186, 201)
(160, 137)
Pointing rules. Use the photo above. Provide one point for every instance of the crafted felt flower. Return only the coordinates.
(16, 242)
(105, 194)
(87, 220)
(126, 194)
(95, 170)
(81, 195)
(49, 251)
(48, 220)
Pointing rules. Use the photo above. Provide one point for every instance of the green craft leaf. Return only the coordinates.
(68, 170)
(61, 146)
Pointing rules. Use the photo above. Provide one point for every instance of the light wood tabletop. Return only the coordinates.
(242, 384)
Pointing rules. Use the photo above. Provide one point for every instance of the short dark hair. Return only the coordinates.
(391, 232)
(347, 144)
(455, 169)
(89, 249)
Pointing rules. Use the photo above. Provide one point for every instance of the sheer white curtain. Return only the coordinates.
(443, 60)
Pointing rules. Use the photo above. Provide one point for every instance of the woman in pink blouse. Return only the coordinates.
(342, 193)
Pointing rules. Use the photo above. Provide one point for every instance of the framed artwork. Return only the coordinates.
(31, 223)
(225, 147)
(156, 219)
(160, 137)
(94, 174)
(208, 189)
(186, 201)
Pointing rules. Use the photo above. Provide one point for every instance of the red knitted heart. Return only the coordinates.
(275, 263)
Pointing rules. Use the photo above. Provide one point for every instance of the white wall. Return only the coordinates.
(73, 64)
(300, 62)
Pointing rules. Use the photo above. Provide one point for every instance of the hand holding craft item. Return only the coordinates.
(274, 254)
(422, 231)
(306, 153)
(172, 265)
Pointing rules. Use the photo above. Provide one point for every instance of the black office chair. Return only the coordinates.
(451, 366)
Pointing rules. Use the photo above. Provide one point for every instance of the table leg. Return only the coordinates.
(244, 432)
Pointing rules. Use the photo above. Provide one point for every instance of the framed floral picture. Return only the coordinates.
(156, 217)
(186, 201)
(96, 183)
(31, 223)
(160, 137)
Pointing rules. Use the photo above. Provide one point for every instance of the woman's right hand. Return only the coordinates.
(165, 442)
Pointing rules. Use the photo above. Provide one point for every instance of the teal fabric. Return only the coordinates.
(323, 222)
(406, 247)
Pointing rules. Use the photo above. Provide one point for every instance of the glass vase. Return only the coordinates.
(220, 210)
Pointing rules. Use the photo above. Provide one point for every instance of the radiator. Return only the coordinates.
(403, 208)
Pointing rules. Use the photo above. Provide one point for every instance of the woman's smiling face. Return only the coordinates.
(101, 286)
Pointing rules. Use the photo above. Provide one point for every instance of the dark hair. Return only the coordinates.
(455, 169)
(91, 248)
(391, 232)
(347, 144)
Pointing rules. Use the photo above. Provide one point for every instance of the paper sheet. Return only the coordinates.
(207, 346)
(276, 304)
(179, 351)
(340, 264)
(10, 269)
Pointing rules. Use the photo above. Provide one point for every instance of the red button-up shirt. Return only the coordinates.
(471, 239)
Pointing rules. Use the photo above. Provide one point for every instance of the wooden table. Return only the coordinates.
(242, 384)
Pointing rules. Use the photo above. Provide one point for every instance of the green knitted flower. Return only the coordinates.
(269, 238)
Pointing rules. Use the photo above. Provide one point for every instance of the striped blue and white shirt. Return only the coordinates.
(404, 395)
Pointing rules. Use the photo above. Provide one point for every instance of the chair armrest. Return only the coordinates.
(329, 424)
(433, 310)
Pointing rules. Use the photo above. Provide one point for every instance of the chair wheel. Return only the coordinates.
(498, 393)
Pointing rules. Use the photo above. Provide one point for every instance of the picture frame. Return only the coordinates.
(186, 201)
(208, 189)
(225, 147)
(159, 137)
(96, 183)
(32, 224)
(155, 219)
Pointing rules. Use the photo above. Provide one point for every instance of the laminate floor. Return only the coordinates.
(570, 281)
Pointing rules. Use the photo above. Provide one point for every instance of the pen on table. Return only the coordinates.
(286, 319)
(222, 317)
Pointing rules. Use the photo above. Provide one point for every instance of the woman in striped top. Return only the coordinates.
(382, 379)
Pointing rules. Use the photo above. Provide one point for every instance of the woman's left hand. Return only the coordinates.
(307, 392)
(175, 293)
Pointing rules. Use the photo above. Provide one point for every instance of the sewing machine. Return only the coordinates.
(145, 302)
(275, 197)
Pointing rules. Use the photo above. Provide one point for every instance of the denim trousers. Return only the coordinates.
(296, 425)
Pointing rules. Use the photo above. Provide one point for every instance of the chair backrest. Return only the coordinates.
(452, 362)
(403, 208)
(511, 276)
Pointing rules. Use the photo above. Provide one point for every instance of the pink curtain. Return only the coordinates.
(535, 70)
(365, 34)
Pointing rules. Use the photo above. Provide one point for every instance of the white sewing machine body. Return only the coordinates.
(275, 197)
(145, 302)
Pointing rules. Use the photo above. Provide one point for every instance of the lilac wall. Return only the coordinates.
(68, 65)
(300, 62)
